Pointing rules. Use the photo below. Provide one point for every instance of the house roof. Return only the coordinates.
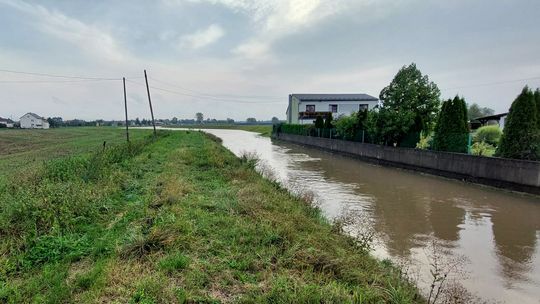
(335, 97)
(33, 114)
(491, 117)
(6, 120)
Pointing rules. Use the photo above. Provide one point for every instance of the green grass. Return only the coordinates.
(175, 220)
(264, 130)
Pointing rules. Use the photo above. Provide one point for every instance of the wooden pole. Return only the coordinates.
(125, 107)
(150, 102)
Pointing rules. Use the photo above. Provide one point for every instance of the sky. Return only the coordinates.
(239, 58)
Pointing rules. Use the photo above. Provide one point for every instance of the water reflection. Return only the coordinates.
(497, 231)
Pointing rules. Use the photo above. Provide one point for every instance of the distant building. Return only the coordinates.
(304, 108)
(33, 121)
(8, 123)
(497, 119)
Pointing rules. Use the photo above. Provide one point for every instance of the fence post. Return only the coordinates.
(362, 136)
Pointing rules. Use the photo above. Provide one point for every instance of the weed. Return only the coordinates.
(139, 245)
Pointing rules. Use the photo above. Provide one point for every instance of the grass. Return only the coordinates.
(174, 220)
(22, 148)
(264, 130)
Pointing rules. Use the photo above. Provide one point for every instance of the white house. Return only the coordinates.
(33, 121)
(8, 123)
(304, 108)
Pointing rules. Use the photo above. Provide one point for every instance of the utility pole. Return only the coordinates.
(125, 106)
(150, 102)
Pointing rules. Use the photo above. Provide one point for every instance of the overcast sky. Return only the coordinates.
(240, 58)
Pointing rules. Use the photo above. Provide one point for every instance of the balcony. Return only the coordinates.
(313, 115)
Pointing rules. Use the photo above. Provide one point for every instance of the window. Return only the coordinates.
(333, 108)
(310, 108)
(363, 107)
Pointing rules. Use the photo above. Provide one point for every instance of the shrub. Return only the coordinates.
(488, 134)
(521, 134)
(346, 126)
(482, 149)
(426, 141)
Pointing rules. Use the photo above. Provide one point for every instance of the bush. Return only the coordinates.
(426, 141)
(521, 134)
(482, 149)
(346, 126)
(488, 134)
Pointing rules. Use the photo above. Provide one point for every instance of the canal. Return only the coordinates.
(493, 234)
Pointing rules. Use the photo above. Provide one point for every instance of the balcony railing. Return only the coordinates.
(313, 115)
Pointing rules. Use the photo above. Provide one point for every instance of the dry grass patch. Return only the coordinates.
(170, 189)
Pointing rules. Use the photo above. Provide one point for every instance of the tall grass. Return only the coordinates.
(49, 214)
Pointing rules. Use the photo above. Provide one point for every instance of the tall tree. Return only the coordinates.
(451, 131)
(328, 121)
(537, 102)
(520, 138)
(319, 122)
(251, 120)
(409, 105)
(275, 120)
(199, 117)
(475, 111)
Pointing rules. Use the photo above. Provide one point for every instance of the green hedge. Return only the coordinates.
(298, 129)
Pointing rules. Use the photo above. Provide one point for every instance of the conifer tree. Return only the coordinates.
(520, 138)
(537, 102)
(452, 130)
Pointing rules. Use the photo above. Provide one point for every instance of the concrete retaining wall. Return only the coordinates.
(517, 175)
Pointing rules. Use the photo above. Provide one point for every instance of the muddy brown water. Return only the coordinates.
(496, 233)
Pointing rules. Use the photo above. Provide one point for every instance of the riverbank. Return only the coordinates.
(511, 174)
(173, 220)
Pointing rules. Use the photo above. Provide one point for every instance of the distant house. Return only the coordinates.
(498, 119)
(8, 123)
(33, 121)
(304, 108)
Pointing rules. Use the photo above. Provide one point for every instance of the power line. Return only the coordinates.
(202, 97)
(494, 83)
(220, 96)
(51, 81)
(60, 76)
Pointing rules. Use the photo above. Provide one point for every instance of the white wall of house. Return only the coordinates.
(502, 121)
(8, 124)
(343, 107)
(337, 104)
(29, 121)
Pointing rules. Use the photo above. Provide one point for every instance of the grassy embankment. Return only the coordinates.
(264, 130)
(179, 219)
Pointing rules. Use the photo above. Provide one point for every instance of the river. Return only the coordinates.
(494, 233)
